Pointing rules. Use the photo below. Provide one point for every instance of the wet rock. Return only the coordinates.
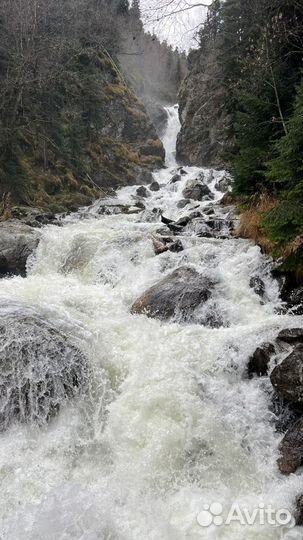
(195, 215)
(154, 186)
(40, 368)
(291, 335)
(291, 449)
(110, 208)
(209, 211)
(163, 244)
(166, 220)
(17, 242)
(287, 377)
(196, 189)
(152, 216)
(299, 511)
(34, 217)
(296, 296)
(182, 203)
(175, 178)
(172, 225)
(159, 246)
(259, 361)
(182, 171)
(258, 285)
(223, 184)
(179, 293)
(142, 191)
(140, 204)
(213, 320)
(286, 413)
(176, 246)
(200, 228)
(183, 221)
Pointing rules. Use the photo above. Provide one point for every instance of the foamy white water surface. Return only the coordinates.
(170, 422)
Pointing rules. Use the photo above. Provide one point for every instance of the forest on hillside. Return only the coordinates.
(64, 97)
(251, 54)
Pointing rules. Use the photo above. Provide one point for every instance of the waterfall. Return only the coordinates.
(170, 427)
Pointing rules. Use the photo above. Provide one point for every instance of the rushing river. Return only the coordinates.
(171, 424)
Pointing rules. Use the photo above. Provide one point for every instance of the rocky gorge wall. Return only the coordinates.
(201, 139)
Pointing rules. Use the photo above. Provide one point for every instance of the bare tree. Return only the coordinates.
(178, 20)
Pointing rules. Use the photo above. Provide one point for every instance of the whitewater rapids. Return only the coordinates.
(171, 423)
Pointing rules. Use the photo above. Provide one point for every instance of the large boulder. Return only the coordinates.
(195, 189)
(291, 449)
(179, 293)
(287, 377)
(40, 368)
(17, 242)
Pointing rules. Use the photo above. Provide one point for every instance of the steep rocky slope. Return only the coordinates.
(101, 138)
(201, 139)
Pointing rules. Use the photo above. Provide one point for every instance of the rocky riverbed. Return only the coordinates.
(149, 369)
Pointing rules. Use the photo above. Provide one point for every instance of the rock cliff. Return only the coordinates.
(201, 139)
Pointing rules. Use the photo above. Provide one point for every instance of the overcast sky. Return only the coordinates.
(174, 20)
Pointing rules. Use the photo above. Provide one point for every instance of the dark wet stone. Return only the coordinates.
(179, 293)
(291, 335)
(183, 221)
(258, 285)
(17, 242)
(287, 377)
(175, 178)
(142, 191)
(159, 246)
(182, 203)
(291, 448)
(223, 184)
(176, 246)
(196, 189)
(296, 296)
(299, 511)
(154, 186)
(259, 361)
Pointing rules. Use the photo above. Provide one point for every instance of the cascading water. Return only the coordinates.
(169, 423)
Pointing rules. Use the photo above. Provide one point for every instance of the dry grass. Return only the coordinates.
(251, 220)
